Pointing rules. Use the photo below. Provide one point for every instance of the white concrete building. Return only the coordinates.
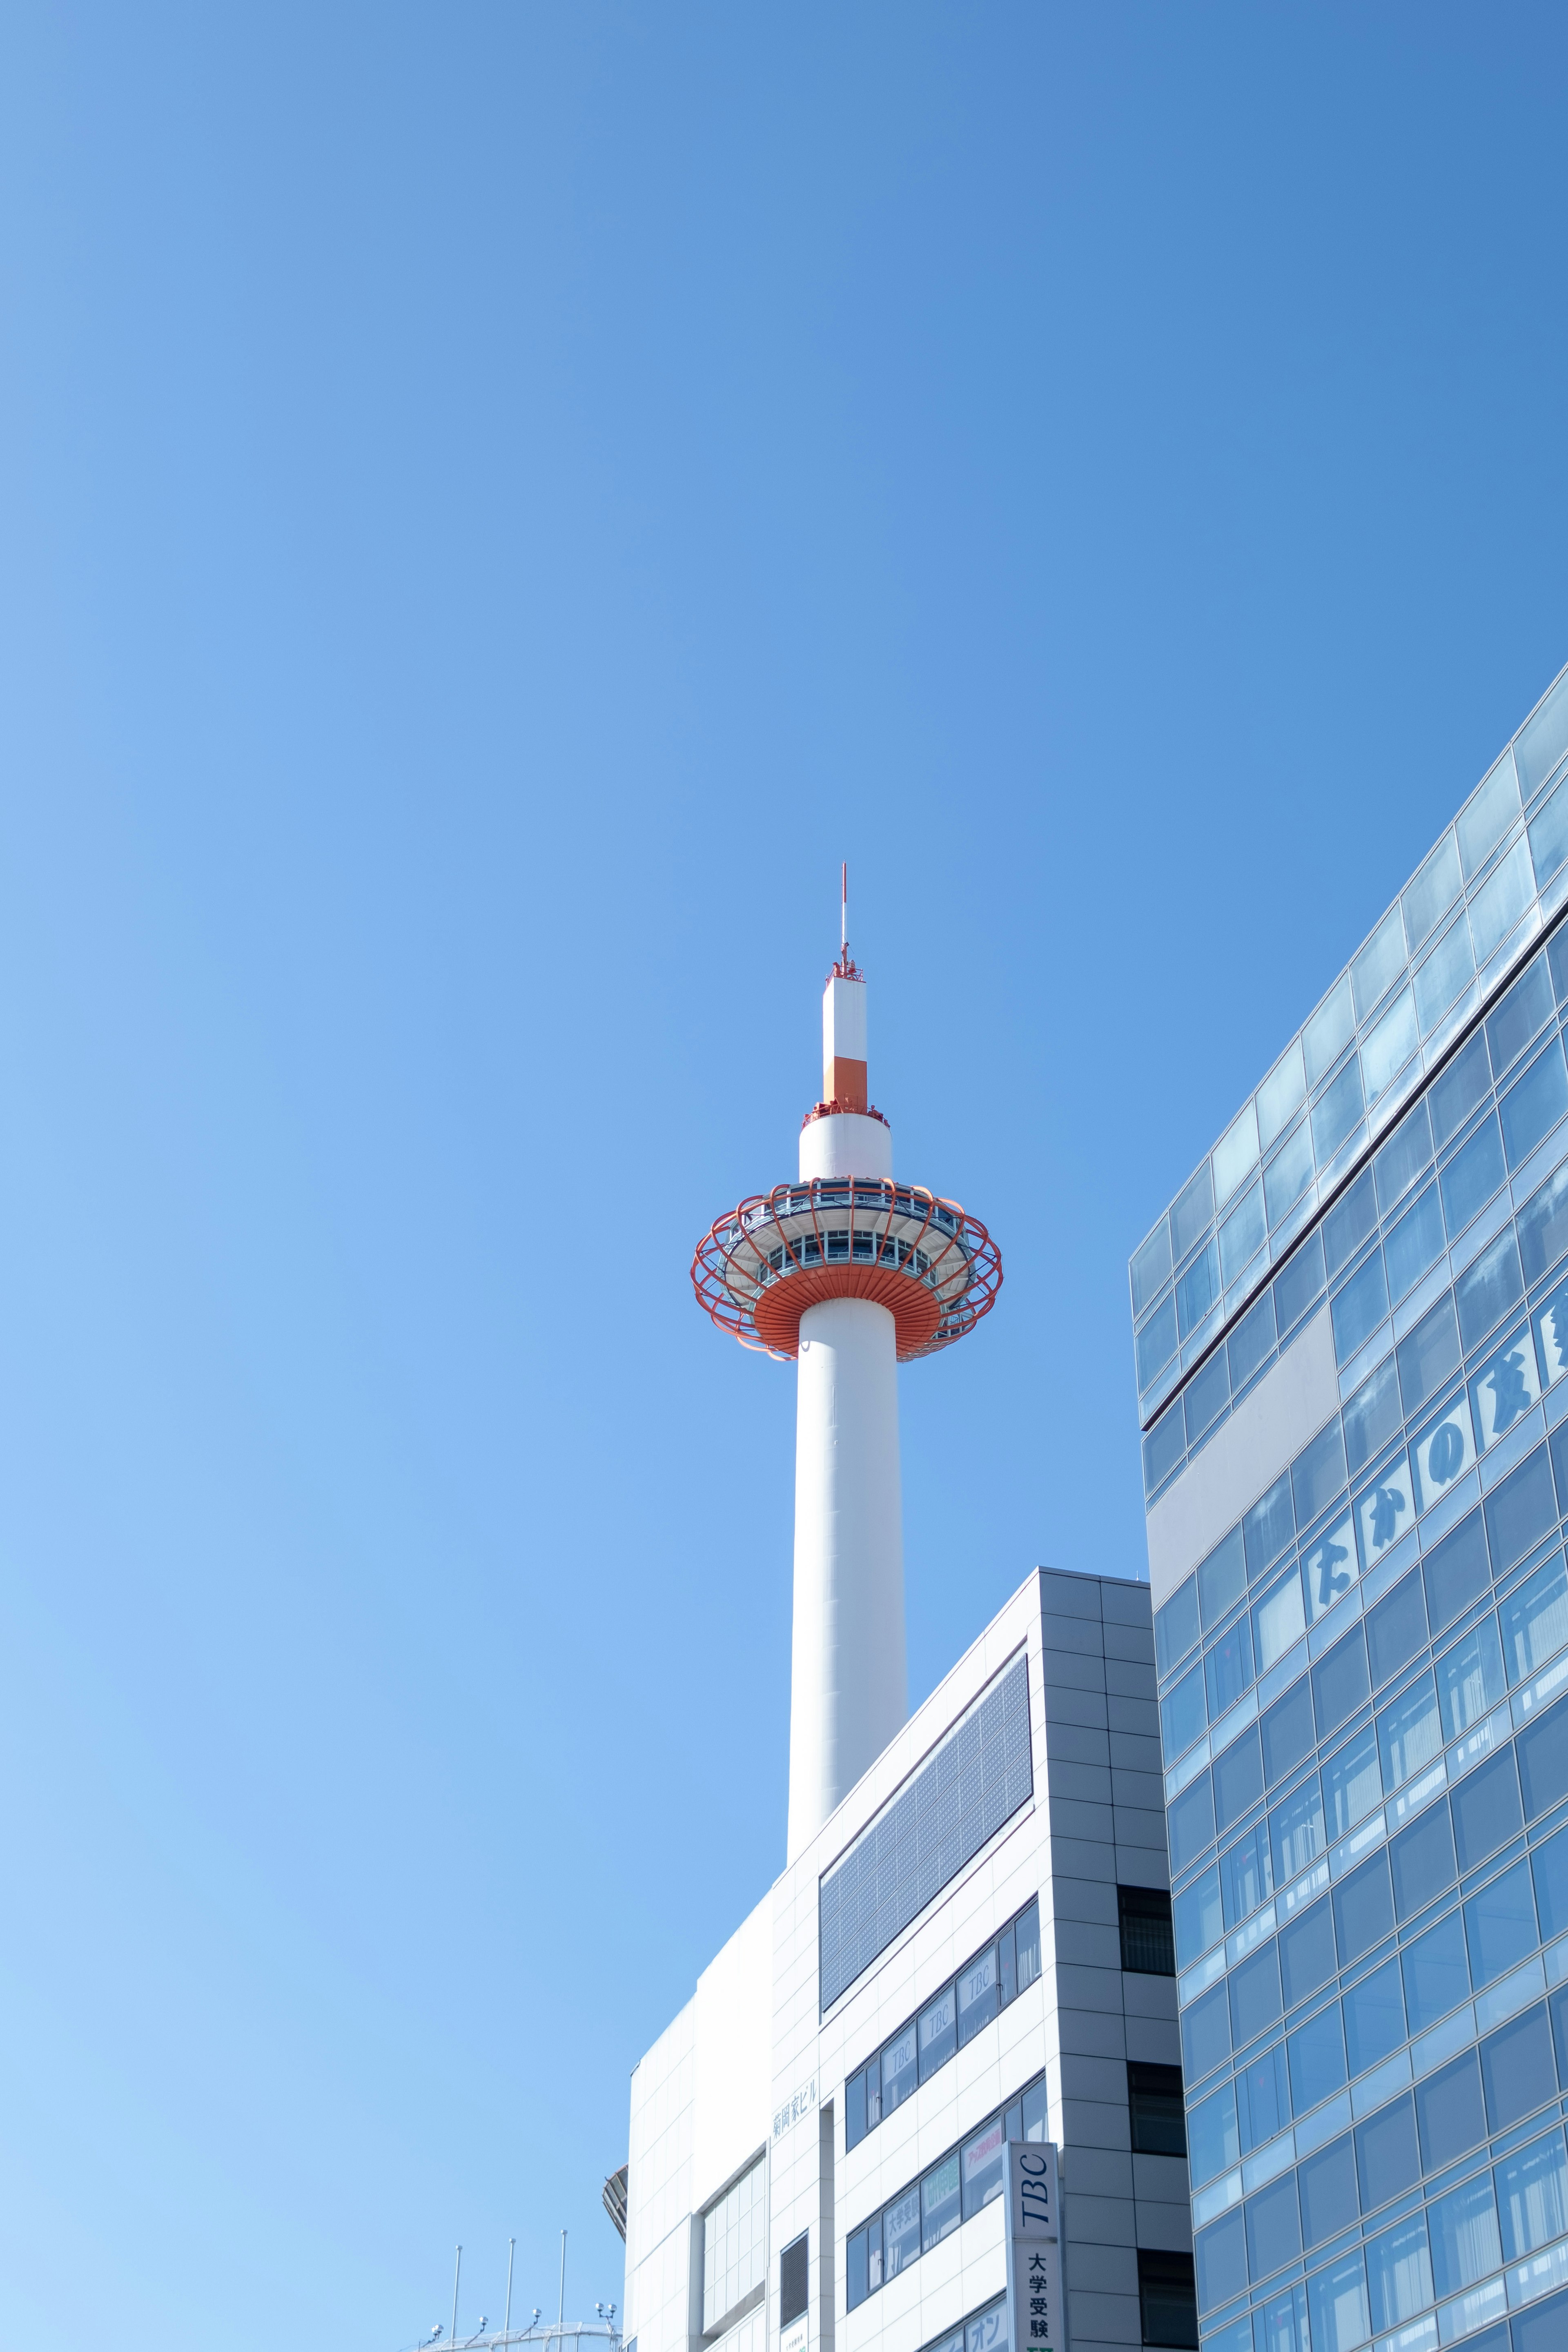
(970, 1943)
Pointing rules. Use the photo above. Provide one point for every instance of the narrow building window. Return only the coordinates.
(795, 2274)
(1154, 2104)
(1168, 2300)
(1147, 1945)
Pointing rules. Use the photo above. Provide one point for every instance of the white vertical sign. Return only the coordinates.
(1036, 2313)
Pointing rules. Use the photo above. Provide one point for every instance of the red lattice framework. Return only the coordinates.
(932, 1266)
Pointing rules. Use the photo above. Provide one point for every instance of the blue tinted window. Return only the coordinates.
(1348, 1223)
(1198, 1290)
(1455, 1571)
(1238, 1779)
(1221, 1578)
(1464, 2232)
(1485, 1291)
(1386, 2156)
(1176, 1625)
(1402, 1157)
(1454, 1096)
(1150, 1266)
(1287, 1731)
(1415, 1243)
(1422, 1859)
(1472, 1176)
(1164, 1447)
(1307, 1958)
(1197, 1918)
(1428, 1354)
(1296, 1829)
(1288, 1174)
(1363, 1910)
(1246, 1877)
(1318, 1474)
(1550, 1865)
(1328, 2204)
(1227, 1666)
(1263, 2098)
(1183, 1716)
(1205, 2034)
(1374, 2018)
(1243, 1233)
(1372, 1416)
(1317, 2059)
(1534, 1103)
(1527, 1008)
(1436, 1976)
(1337, 1112)
(1360, 1307)
(1337, 2299)
(1298, 1282)
(1268, 1527)
(1449, 2115)
(1339, 1683)
(1192, 1213)
(1273, 2227)
(1254, 1997)
(1206, 1396)
(1523, 1510)
(1190, 1822)
(1219, 2260)
(1156, 1343)
(1517, 2069)
(1485, 1809)
(1252, 1342)
(1213, 2142)
(1544, 1225)
(1499, 1925)
(1543, 1761)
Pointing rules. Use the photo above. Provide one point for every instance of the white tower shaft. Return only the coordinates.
(848, 1682)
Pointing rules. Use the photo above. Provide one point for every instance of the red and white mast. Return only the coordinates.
(852, 1274)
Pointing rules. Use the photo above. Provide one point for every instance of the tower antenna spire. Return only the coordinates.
(844, 908)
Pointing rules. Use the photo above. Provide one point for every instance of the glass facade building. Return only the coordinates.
(1350, 1337)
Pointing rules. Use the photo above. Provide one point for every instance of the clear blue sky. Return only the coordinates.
(495, 501)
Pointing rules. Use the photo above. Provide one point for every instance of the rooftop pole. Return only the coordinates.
(561, 2314)
(510, 2255)
(457, 2274)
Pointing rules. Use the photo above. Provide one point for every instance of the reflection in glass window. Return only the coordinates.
(1316, 2054)
(1379, 964)
(1527, 1008)
(983, 2163)
(1197, 1918)
(1278, 1621)
(1349, 1222)
(1532, 2197)
(1549, 838)
(1156, 1343)
(1442, 975)
(1287, 1175)
(1234, 1155)
(1328, 1568)
(1263, 2098)
(1268, 1526)
(938, 2031)
(1428, 1354)
(1543, 1226)
(1337, 1111)
(1499, 902)
(1415, 1243)
(1221, 1578)
(1399, 2273)
(1150, 1266)
(1296, 1830)
(1486, 1810)
(1455, 1571)
(1176, 1625)
(1466, 2245)
(942, 2208)
(1541, 742)
(1443, 1453)
(1521, 1511)
(1281, 1095)
(1428, 899)
(1198, 1290)
(1472, 1176)
(1486, 817)
(1337, 2300)
(1535, 1619)
(1534, 1103)
(1246, 1877)
(901, 2232)
(1452, 1098)
(1318, 1474)
(1214, 2143)
(1286, 1730)
(1409, 1734)
(1353, 1785)
(1385, 1510)
(900, 2070)
(977, 1996)
(1504, 1390)
(1227, 1667)
(1485, 1290)
(1252, 1342)
(1372, 1416)
(1401, 1159)
(1205, 1397)
(1470, 1678)
(1360, 1307)
(1193, 1213)
(1328, 1030)
(1243, 1233)
(1389, 1047)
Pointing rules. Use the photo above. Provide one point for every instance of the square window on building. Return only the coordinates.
(1167, 2299)
(1148, 1945)
(1154, 2107)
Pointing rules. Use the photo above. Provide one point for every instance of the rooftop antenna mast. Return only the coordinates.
(457, 2274)
(562, 2312)
(510, 2257)
(844, 910)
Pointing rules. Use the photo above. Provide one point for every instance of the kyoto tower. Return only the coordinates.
(850, 1272)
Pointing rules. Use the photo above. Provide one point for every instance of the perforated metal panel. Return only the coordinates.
(922, 1837)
